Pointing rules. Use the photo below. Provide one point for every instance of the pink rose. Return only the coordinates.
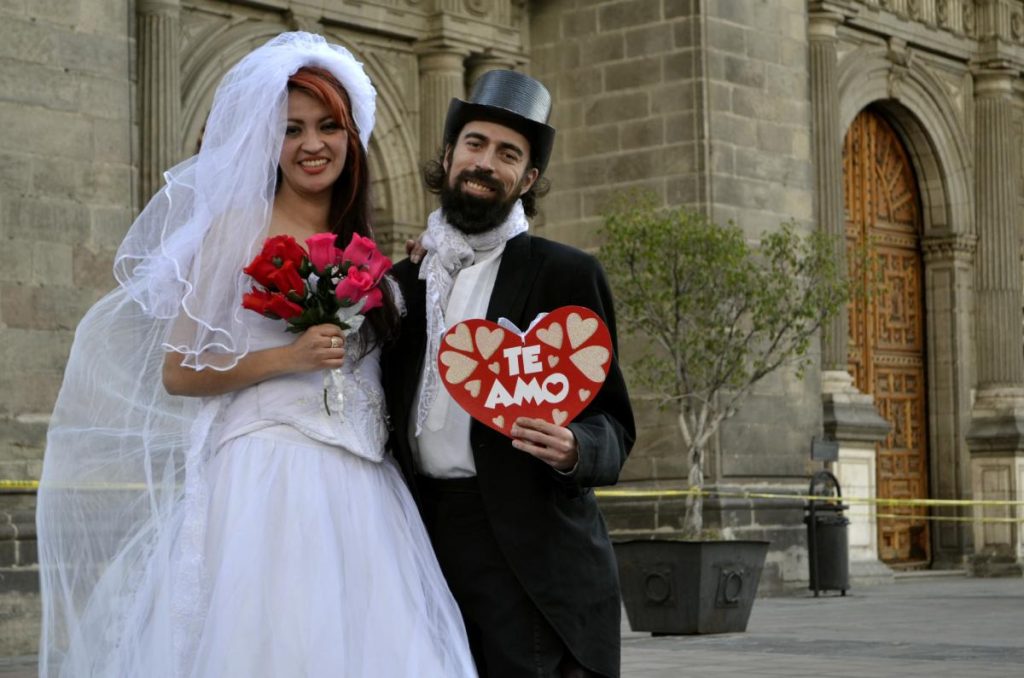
(322, 252)
(354, 286)
(358, 252)
(374, 299)
(379, 265)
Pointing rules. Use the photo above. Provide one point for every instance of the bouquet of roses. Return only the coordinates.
(322, 285)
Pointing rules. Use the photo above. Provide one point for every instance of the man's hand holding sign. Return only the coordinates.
(529, 385)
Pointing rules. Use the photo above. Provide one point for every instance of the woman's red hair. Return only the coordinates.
(320, 84)
(350, 195)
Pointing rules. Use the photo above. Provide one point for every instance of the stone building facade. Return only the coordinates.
(894, 124)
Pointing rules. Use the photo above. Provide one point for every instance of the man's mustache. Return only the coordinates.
(480, 177)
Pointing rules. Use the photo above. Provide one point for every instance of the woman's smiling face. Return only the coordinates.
(315, 146)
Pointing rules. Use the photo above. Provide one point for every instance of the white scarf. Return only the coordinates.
(449, 250)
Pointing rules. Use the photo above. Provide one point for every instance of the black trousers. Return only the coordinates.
(508, 635)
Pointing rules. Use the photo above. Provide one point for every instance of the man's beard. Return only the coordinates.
(471, 214)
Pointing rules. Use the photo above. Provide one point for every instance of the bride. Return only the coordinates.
(200, 512)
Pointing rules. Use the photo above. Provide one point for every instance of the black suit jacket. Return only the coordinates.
(546, 523)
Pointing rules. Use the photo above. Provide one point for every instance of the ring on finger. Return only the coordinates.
(335, 342)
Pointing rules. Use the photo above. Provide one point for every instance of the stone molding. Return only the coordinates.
(959, 247)
(849, 416)
(159, 7)
(953, 16)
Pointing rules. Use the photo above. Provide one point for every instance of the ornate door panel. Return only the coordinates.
(886, 355)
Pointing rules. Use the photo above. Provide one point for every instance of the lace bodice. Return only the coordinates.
(298, 399)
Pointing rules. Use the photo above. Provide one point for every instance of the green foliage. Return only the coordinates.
(717, 313)
(720, 313)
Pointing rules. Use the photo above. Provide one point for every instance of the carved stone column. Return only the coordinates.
(949, 286)
(159, 91)
(479, 64)
(849, 416)
(442, 78)
(996, 436)
(1000, 359)
(828, 162)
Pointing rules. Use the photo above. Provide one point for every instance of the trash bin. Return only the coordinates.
(828, 549)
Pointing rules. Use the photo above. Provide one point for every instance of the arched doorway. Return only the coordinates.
(887, 341)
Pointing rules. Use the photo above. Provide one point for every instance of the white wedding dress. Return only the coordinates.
(312, 561)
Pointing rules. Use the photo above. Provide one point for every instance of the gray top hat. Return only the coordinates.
(512, 99)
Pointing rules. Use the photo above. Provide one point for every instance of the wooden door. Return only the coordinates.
(886, 350)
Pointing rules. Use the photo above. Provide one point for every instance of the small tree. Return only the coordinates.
(718, 313)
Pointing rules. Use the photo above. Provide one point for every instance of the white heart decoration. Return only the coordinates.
(460, 339)
(487, 341)
(580, 329)
(590, 362)
(459, 366)
(552, 336)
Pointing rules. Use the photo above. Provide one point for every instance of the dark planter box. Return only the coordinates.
(685, 587)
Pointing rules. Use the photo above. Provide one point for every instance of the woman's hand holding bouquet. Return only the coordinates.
(321, 285)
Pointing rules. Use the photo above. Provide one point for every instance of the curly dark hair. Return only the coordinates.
(434, 177)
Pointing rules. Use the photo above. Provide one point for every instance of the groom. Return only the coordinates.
(514, 522)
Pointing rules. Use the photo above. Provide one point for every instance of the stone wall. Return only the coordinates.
(625, 76)
(706, 105)
(66, 200)
(760, 176)
(66, 174)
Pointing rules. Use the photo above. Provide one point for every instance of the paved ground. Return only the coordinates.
(922, 627)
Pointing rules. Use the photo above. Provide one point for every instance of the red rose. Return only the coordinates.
(322, 252)
(283, 308)
(261, 270)
(282, 248)
(272, 305)
(277, 251)
(286, 279)
(256, 300)
(353, 286)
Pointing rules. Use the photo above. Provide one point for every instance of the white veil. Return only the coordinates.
(123, 458)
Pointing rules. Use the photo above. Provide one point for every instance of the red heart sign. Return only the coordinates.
(552, 372)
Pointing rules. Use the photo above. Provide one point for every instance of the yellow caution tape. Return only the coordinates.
(19, 484)
(640, 494)
(31, 485)
(948, 519)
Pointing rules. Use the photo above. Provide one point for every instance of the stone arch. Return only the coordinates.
(925, 118)
(394, 156)
(211, 52)
(919, 108)
(397, 189)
